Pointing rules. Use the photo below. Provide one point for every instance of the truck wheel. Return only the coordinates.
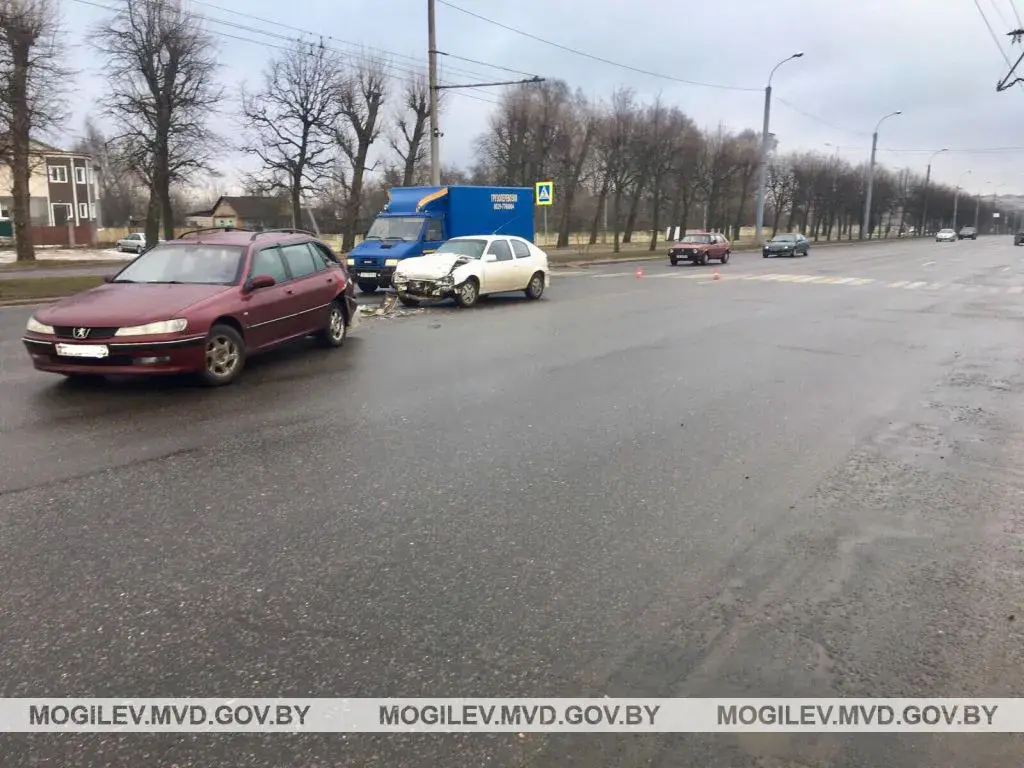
(535, 288)
(467, 293)
(367, 287)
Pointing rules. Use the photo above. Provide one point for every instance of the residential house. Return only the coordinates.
(63, 190)
(199, 219)
(252, 213)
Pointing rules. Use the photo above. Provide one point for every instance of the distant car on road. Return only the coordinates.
(1018, 239)
(698, 247)
(968, 233)
(946, 236)
(200, 304)
(791, 244)
(135, 242)
(466, 268)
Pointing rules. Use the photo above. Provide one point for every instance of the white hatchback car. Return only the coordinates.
(136, 242)
(466, 268)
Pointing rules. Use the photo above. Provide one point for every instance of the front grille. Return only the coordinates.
(68, 332)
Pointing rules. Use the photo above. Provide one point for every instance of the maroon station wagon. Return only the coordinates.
(200, 304)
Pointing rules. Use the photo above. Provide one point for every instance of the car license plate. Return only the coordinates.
(367, 274)
(83, 350)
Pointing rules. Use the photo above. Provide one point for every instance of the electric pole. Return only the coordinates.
(435, 131)
(927, 181)
(765, 138)
(865, 226)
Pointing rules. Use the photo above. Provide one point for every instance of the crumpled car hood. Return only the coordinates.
(429, 267)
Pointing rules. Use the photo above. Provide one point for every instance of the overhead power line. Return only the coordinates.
(592, 56)
(821, 120)
(395, 69)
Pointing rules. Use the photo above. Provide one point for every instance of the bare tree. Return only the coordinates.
(120, 190)
(31, 89)
(162, 88)
(360, 106)
(289, 122)
(411, 126)
(780, 188)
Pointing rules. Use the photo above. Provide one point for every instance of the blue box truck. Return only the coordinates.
(417, 220)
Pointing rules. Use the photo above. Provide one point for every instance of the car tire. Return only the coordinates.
(725, 257)
(467, 294)
(224, 358)
(673, 260)
(367, 287)
(336, 331)
(764, 255)
(408, 301)
(702, 259)
(535, 288)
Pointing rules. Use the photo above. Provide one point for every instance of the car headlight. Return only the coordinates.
(36, 327)
(163, 326)
(350, 262)
(391, 262)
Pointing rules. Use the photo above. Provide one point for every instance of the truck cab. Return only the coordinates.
(417, 220)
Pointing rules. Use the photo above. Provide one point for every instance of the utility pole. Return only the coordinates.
(765, 138)
(866, 225)
(435, 131)
(927, 181)
(956, 200)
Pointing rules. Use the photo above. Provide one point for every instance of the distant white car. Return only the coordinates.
(136, 242)
(466, 268)
(945, 236)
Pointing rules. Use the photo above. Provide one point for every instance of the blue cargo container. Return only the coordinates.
(416, 220)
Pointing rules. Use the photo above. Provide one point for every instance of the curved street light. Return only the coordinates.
(866, 225)
(763, 170)
(927, 181)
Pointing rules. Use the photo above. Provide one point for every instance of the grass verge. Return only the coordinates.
(44, 264)
(21, 288)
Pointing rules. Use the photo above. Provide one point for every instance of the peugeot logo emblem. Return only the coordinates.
(80, 333)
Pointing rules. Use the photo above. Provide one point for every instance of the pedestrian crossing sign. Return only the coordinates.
(545, 192)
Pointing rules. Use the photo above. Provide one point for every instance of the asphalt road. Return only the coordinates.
(781, 483)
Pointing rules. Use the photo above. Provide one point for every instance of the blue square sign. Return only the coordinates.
(545, 193)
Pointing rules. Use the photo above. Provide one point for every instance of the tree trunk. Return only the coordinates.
(677, 208)
(21, 147)
(354, 200)
(153, 214)
(296, 195)
(792, 217)
(634, 207)
(617, 207)
(655, 214)
(776, 215)
(601, 199)
(569, 195)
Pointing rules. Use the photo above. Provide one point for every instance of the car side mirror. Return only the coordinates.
(488, 257)
(261, 281)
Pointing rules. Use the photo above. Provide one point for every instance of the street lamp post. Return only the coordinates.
(765, 138)
(956, 200)
(927, 181)
(866, 226)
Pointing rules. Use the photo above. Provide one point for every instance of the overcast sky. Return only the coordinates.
(933, 59)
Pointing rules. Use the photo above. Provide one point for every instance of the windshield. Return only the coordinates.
(696, 239)
(192, 263)
(784, 239)
(395, 228)
(474, 249)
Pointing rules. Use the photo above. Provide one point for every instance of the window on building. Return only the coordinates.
(59, 173)
(79, 175)
(83, 210)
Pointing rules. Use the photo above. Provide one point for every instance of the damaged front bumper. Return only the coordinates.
(441, 288)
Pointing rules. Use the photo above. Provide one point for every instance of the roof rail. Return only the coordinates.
(281, 229)
(212, 229)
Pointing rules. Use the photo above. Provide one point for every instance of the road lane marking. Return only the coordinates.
(900, 284)
(862, 280)
(935, 286)
(805, 278)
(1006, 269)
(915, 286)
(1015, 289)
(927, 263)
(614, 274)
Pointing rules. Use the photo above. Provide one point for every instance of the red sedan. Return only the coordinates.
(200, 304)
